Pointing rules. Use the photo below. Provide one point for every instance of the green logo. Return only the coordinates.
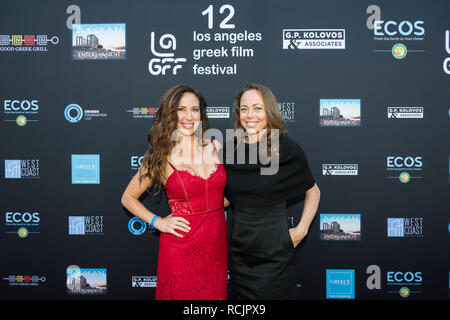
(22, 232)
(399, 51)
(404, 177)
(21, 121)
(404, 292)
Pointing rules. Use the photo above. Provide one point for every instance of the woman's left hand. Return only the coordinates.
(297, 234)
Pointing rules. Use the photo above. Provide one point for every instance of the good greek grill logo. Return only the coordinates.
(313, 38)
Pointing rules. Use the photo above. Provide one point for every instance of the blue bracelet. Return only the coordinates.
(153, 220)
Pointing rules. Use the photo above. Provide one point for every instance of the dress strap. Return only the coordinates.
(173, 167)
(214, 145)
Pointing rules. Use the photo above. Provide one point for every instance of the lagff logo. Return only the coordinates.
(405, 112)
(143, 281)
(20, 108)
(85, 169)
(22, 169)
(340, 284)
(340, 169)
(138, 227)
(28, 42)
(86, 280)
(22, 221)
(98, 41)
(25, 281)
(405, 227)
(313, 38)
(86, 225)
(143, 112)
(164, 61)
(395, 31)
(218, 112)
(287, 111)
(74, 113)
(408, 166)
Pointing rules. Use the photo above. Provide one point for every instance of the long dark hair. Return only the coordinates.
(159, 137)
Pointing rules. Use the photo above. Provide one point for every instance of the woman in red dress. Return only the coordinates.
(193, 254)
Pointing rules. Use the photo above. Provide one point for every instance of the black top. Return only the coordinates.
(247, 187)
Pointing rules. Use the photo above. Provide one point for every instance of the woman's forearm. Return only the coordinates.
(310, 207)
(137, 208)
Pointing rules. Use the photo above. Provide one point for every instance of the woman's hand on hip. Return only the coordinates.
(170, 223)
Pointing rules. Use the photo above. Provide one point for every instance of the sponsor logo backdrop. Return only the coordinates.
(362, 86)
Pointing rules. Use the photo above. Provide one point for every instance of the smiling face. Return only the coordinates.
(252, 113)
(188, 113)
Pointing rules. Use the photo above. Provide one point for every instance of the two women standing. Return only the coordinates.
(193, 257)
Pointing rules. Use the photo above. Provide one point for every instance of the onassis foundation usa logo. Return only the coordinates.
(98, 41)
(138, 226)
(74, 113)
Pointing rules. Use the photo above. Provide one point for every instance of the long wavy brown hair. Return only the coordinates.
(159, 137)
(273, 116)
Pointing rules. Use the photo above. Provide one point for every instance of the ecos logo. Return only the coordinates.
(407, 162)
(20, 106)
(26, 217)
(393, 28)
(398, 282)
(23, 221)
(409, 167)
(404, 30)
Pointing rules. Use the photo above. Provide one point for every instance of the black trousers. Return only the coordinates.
(262, 255)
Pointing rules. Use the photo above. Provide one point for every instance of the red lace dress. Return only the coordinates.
(195, 267)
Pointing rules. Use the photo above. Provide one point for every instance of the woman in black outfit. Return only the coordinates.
(262, 248)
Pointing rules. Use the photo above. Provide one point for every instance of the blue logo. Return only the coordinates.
(85, 169)
(132, 226)
(73, 108)
(13, 169)
(395, 227)
(340, 284)
(77, 225)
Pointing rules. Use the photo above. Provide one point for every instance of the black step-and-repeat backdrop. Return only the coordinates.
(363, 87)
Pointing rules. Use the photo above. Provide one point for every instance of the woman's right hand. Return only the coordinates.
(170, 223)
